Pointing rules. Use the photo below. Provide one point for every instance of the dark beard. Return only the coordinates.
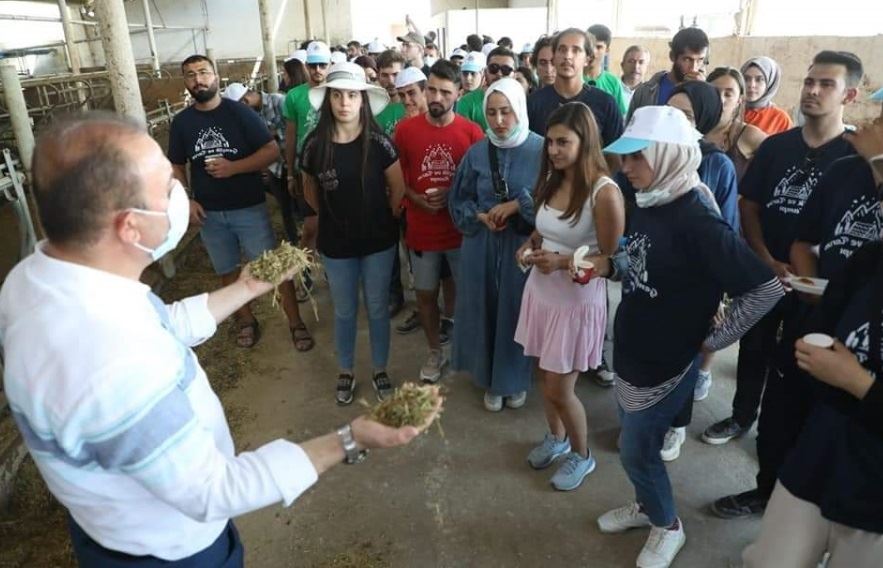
(679, 76)
(204, 96)
(437, 111)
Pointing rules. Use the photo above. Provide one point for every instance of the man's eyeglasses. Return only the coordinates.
(317, 65)
(495, 68)
(201, 74)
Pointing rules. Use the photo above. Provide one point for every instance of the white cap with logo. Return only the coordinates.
(474, 62)
(318, 52)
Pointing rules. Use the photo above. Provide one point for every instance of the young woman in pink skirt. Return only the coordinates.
(562, 322)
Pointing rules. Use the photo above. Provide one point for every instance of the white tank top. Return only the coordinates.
(562, 237)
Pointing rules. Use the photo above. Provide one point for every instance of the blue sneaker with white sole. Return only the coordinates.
(572, 472)
(548, 451)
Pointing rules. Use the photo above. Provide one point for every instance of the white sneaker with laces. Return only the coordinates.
(623, 519)
(516, 400)
(493, 402)
(661, 547)
(432, 369)
(671, 447)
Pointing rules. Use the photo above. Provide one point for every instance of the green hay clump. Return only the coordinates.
(410, 405)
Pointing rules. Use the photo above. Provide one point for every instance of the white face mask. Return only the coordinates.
(178, 214)
(653, 198)
(429, 60)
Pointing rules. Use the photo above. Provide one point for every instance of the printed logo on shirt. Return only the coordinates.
(438, 165)
(312, 120)
(211, 142)
(862, 222)
(794, 189)
(328, 180)
(859, 342)
(637, 247)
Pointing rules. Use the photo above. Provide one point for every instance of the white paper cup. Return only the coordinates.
(212, 158)
(819, 340)
(524, 256)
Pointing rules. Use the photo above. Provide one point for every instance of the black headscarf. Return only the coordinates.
(707, 107)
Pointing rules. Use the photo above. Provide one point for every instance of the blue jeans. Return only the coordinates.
(344, 276)
(228, 235)
(643, 434)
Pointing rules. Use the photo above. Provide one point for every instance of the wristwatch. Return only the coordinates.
(352, 453)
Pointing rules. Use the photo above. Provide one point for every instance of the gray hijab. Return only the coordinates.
(771, 73)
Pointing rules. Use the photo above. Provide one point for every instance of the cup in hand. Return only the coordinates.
(583, 269)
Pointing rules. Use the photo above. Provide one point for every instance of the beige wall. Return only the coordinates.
(793, 54)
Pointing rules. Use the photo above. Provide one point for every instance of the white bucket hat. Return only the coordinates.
(654, 124)
(235, 91)
(348, 76)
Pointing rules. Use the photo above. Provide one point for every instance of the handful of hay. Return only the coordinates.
(273, 265)
(410, 405)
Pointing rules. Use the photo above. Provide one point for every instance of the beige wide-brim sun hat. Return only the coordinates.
(349, 77)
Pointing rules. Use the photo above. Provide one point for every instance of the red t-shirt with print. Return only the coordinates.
(429, 156)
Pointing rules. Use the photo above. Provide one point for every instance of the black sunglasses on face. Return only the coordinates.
(317, 65)
(495, 68)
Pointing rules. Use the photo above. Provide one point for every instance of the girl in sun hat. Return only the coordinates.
(495, 215)
(562, 322)
(678, 260)
(348, 164)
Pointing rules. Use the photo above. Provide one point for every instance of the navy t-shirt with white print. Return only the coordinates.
(232, 131)
(781, 177)
(682, 258)
(837, 463)
(842, 214)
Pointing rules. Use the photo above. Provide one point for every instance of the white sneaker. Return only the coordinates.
(623, 519)
(671, 447)
(516, 400)
(431, 371)
(661, 547)
(604, 377)
(493, 402)
(703, 386)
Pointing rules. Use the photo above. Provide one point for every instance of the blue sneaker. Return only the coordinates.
(546, 453)
(572, 472)
(703, 386)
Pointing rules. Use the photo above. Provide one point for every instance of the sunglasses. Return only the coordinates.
(317, 65)
(495, 68)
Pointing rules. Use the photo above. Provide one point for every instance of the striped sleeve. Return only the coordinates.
(745, 311)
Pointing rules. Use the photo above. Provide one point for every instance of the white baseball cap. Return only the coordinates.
(475, 61)
(300, 55)
(461, 53)
(337, 57)
(376, 47)
(408, 76)
(878, 95)
(526, 48)
(318, 52)
(348, 76)
(487, 48)
(235, 91)
(654, 124)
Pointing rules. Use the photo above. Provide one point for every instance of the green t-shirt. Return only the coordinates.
(297, 109)
(389, 117)
(610, 84)
(471, 106)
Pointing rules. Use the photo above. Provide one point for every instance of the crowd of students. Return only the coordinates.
(493, 171)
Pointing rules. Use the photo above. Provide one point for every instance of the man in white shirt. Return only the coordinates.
(101, 379)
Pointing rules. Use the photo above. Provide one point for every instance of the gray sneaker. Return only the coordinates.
(346, 388)
(722, 432)
(572, 472)
(446, 331)
(432, 369)
(411, 323)
(547, 452)
(382, 385)
(703, 386)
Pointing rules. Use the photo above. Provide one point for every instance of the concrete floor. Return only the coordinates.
(468, 498)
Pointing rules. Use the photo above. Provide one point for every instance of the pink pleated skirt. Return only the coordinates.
(562, 323)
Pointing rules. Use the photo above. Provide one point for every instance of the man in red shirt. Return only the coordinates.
(431, 146)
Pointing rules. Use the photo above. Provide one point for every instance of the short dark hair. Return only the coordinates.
(365, 61)
(691, 38)
(82, 172)
(544, 41)
(354, 43)
(529, 77)
(506, 42)
(487, 39)
(473, 41)
(853, 63)
(601, 33)
(588, 40)
(502, 52)
(388, 57)
(447, 70)
(196, 58)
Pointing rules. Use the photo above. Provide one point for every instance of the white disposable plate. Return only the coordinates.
(807, 285)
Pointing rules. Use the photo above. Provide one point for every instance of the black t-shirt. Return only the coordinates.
(682, 258)
(354, 219)
(232, 131)
(842, 214)
(837, 463)
(543, 102)
(781, 178)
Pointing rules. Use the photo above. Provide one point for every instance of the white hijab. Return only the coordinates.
(675, 168)
(514, 92)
